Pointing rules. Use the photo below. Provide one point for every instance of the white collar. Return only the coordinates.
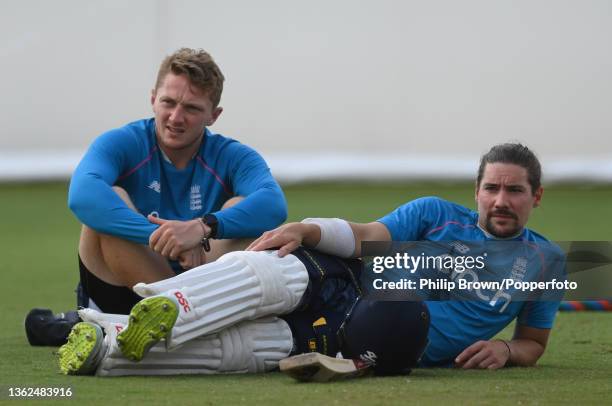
(165, 156)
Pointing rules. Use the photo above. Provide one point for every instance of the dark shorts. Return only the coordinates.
(109, 298)
(332, 290)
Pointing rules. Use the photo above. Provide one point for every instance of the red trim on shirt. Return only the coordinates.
(449, 223)
(212, 171)
(144, 161)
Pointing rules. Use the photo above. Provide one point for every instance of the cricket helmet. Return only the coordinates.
(389, 335)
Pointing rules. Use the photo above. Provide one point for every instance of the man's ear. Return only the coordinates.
(153, 95)
(215, 115)
(538, 196)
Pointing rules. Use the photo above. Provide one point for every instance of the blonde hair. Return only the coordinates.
(199, 67)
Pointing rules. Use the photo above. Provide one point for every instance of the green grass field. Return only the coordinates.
(38, 269)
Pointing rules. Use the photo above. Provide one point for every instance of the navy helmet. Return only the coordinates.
(391, 336)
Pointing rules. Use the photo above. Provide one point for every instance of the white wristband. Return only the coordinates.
(337, 236)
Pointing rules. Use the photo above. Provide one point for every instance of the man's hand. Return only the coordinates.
(174, 237)
(192, 258)
(287, 238)
(492, 354)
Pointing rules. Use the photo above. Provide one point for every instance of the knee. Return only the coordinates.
(285, 277)
(264, 261)
(232, 202)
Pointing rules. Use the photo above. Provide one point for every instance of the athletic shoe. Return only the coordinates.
(46, 329)
(316, 367)
(151, 320)
(83, 351)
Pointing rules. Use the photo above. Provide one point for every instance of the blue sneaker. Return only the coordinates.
(43, 328)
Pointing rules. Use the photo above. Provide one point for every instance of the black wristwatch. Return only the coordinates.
(211, 221)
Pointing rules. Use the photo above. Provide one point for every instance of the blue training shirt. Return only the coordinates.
(455, 324)
(129, 157)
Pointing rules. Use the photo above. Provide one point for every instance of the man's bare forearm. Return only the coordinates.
(524, 352)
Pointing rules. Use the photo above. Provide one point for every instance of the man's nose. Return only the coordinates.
(501, 199)
(177, 114)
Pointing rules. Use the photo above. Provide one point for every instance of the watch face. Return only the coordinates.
(212, 222)
(210, 219)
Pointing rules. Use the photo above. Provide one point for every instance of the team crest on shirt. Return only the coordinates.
(460, 247)
(195, 200)
(155, 185)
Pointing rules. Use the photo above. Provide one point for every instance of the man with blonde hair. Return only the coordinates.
(153, 193)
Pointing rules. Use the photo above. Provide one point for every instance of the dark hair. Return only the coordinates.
(516, 154)
(199, 67)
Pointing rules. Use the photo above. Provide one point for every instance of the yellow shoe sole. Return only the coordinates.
(151, 320)
(77, 356)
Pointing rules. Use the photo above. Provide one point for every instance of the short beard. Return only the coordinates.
(491, 229)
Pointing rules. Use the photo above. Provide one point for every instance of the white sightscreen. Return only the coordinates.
(321, 88)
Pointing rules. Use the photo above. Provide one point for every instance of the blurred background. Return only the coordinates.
(323, 89)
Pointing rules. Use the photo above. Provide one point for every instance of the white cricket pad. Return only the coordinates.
(248, 347)
(243, 285)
